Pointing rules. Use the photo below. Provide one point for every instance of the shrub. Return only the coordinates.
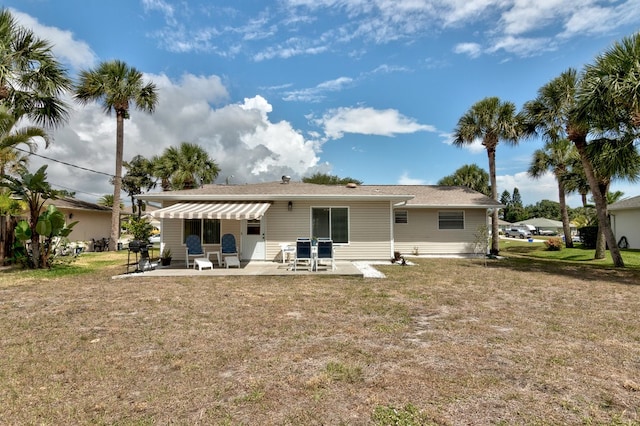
(588, 236)
(554, 244)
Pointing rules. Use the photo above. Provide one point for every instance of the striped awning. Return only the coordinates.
(212, 210)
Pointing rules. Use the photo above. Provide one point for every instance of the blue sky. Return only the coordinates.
(370, 89)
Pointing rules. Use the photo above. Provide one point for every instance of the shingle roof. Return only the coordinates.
(414, 195)
(627, 203)
(74, 204)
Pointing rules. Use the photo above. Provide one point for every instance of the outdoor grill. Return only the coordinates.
(137, 246)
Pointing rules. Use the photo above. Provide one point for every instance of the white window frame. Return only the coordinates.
(184, 236)
(330, 230)
(452, 229)
(406, 216)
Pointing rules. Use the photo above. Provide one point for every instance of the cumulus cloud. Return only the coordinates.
(405, 179)
(240, 137)
(534, 190)
(75, 53)
(368, 121)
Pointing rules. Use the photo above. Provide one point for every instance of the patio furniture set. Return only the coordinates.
(309, 254)
(227, 255)
(304, 254)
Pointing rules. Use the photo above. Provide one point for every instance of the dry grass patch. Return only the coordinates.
(442, 342)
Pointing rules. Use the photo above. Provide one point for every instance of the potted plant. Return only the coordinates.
(165, 257)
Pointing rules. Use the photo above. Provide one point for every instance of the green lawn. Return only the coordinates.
(517, 341)
(538, 250)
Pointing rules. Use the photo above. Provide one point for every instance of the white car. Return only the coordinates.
(517, 233)
(154, 239)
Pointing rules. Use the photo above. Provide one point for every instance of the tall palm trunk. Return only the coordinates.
(495, 237)
(35, 237)
(580, 141)
(601, 243)
(564, 213)
(117, 181)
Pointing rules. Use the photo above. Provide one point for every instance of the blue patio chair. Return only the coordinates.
(229, 249)
(325, 252)
(194, 248)
(303, 253)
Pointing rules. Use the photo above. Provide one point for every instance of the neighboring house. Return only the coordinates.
(625, 221)
(365, 222)
(539, 224)
(503, 225)
(94, 221)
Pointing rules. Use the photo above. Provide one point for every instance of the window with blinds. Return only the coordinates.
(451, 219)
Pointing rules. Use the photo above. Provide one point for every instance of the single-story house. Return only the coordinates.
(625, 221)
(538, 224)
(365, 222)
(503, 225)
(94, 220)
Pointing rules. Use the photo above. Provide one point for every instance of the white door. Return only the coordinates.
(253, 246)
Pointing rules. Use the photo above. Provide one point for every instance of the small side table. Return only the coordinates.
(287, 250)
(217, 253)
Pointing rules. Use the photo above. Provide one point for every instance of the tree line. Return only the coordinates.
(589, 121)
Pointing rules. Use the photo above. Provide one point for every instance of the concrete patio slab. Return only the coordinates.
(343, 268)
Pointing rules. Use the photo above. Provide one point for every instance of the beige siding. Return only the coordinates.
(90, 224)
(369, 228)
(172, 236)
(421, 233)
(626, 224)
(370, 235)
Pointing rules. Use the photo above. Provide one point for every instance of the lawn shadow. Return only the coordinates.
(574, 269)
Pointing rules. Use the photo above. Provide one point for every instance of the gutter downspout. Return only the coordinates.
(392, 241)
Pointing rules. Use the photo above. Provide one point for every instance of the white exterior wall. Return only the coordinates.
(421, 233)
(626, 223)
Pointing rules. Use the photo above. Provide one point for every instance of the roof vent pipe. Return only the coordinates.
(286, 179)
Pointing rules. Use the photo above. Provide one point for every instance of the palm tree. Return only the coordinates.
(162, 169)
(107, 201)
(576, 181)
(492, 121)
(608, 99)
(190, 164)
(470, 175)
(609, 96)
(614, 197)
(611, 159)
(31, 79)
(555, 157)
(116, 86)
(11, 137)
(13, 162)
(139, 179)
(34, 191)
(555, 115)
